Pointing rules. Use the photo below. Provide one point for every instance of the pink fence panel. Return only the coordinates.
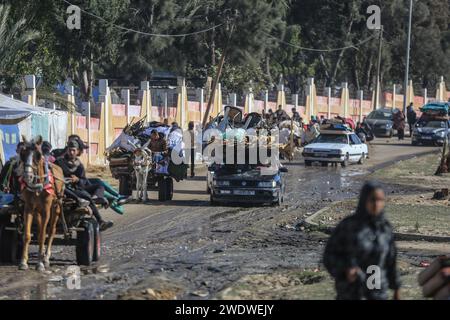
(94, 149)
(119, 110)
(194, 106)
(81, 122)
(259, 106)
(95, 124)
(135, 111)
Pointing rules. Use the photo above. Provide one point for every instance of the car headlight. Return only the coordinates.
(267, 184)
(307, 150)
(221, 183)
(388, 125)
(440, 133)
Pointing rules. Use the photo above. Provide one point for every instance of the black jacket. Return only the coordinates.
(76, 168)
(359, 241)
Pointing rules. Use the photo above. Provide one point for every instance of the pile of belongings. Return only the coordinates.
(336, 125)
(435, 280)
(138, 134)
(436, 109)
(285, 130)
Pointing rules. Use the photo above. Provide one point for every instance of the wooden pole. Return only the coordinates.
(217, 78)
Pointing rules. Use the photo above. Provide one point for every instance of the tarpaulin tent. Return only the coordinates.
(19, 118)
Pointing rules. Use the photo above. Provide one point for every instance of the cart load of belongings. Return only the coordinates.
(138, 134)
(285, 130)
(435, 110)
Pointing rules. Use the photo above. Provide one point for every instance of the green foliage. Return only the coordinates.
(101, 49)
(14, 38)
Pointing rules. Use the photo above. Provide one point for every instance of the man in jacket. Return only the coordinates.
(79, 185)
(411, 116)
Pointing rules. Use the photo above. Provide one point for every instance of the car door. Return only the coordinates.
(356, 147)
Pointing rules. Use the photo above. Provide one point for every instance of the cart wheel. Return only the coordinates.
(85, 244)
(169, 189)
(162, 190)
(97, 241)
(124, 186)
(10, 245)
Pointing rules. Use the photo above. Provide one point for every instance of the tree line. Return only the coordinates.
(271, 41)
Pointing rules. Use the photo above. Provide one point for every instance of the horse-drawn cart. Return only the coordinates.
(77, 227)
(132, 163)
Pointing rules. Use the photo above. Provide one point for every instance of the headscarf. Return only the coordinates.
(367, 190)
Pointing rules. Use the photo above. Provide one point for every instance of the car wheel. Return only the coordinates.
(212, 201)
(414, 143)
(345, 162)
(324, 164)
(363, 157)
(308, 163)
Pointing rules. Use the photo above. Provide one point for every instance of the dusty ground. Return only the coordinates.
(187, 249)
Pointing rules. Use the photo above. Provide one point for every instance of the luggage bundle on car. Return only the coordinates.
(435, 280)
(435, 110)
(334, 127)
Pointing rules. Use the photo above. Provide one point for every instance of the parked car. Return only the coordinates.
(247, 184)
(430, 132)
(342, 147)
(381, 122)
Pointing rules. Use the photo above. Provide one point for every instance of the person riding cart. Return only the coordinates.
(115, 199)
(79, 185)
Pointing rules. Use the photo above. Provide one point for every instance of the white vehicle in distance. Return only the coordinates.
(333, 146)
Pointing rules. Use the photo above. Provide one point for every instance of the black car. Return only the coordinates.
(432, 132)
(247, 184)
(381, 122)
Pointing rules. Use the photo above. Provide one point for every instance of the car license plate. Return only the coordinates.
(427, 138)
(318, 155)
(244, 192)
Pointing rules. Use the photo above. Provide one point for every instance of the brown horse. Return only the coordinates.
(42, 191)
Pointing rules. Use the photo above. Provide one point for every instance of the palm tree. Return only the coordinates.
(14, 36)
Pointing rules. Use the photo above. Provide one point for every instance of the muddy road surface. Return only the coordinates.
(188, 249)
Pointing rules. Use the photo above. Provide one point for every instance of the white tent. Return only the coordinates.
(19, 118)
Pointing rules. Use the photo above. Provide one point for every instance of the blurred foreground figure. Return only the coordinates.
(361, 254)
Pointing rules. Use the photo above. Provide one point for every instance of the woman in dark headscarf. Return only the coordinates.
(399, 124)
(361, 254)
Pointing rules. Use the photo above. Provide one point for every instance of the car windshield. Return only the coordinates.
(380, 115)
(432, 124)
(332, 138)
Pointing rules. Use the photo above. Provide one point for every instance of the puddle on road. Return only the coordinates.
(41, 291)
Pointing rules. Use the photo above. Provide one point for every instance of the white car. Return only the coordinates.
(336, 147)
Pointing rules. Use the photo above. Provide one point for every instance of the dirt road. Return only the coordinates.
(187, 249)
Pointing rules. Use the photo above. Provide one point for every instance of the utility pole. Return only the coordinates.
(217, 78)
(378, 84)
(408, 47)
